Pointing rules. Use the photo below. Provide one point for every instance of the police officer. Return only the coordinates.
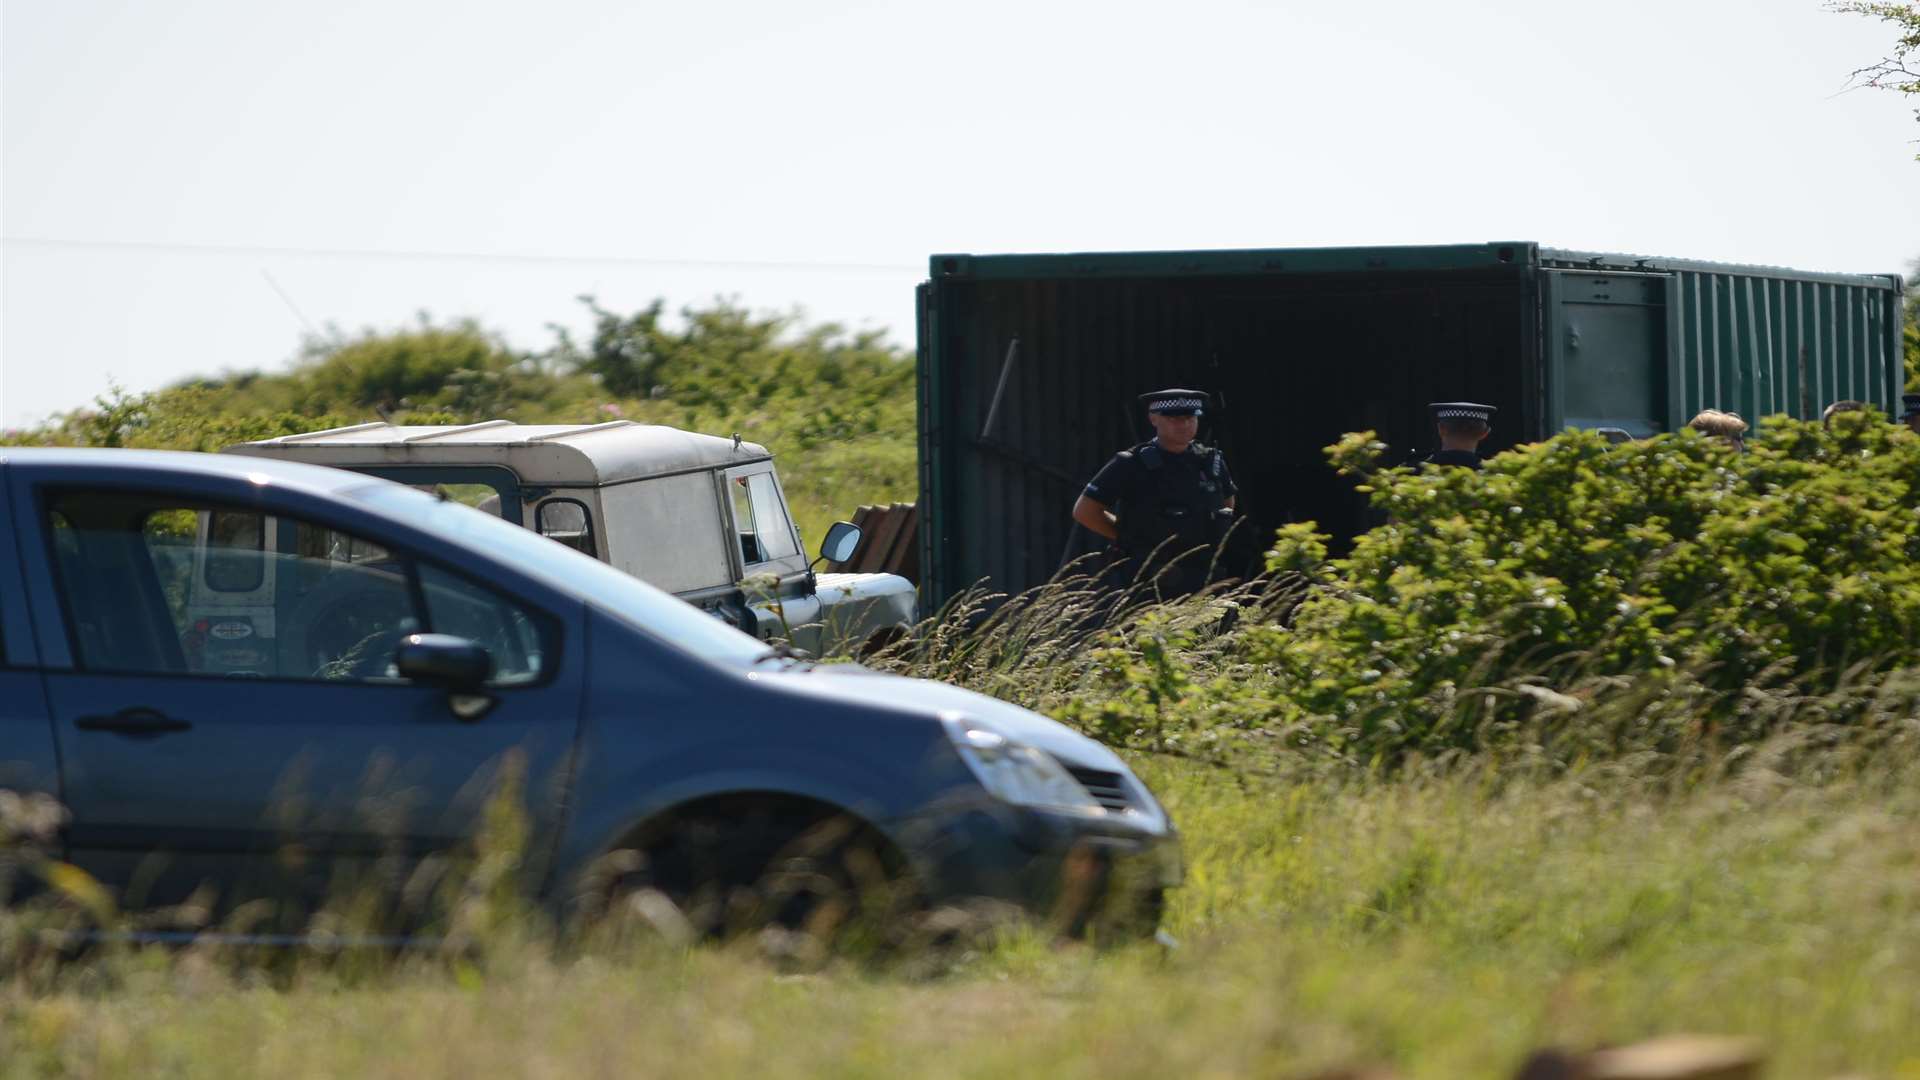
(1165, 502)
(1463, 426)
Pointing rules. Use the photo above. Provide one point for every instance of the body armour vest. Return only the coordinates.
(1174, 501)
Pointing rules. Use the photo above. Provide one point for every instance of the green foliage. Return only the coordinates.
(1148, 680)
(1899, 70)
(813, 384)
(1574, 600)
(1570, 562)
(836, 408)
(1131, 671)
(456, 369)
(191, 417)
(622, 354)
(1910, 333)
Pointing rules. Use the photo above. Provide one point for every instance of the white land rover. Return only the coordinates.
(699, 516)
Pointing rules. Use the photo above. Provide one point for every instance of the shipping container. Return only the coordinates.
(1029, 366)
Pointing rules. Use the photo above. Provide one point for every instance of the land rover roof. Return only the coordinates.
(569, 455)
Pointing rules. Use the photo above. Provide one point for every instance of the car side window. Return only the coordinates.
(775, 532)
(743, 523)
(567, 521)
(158, 585)
(513, 635)
(760, 518)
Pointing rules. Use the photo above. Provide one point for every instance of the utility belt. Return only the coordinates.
(1175, 530)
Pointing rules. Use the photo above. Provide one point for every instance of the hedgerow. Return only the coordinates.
(1570, 563)
(1573, 599)
(835, 405)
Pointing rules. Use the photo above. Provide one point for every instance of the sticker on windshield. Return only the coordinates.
(231, 629)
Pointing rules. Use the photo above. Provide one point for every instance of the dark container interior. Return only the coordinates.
(1294, 360)
(1030, 366)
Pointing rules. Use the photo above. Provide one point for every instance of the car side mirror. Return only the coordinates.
(841, 542)
(442, 660)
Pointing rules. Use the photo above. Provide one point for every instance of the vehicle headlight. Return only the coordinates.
(1016, 773)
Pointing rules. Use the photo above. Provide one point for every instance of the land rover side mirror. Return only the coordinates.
(842, 539)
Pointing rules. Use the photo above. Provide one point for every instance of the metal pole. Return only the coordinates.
(1006, 368)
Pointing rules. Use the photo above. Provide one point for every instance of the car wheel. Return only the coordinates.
(724, 876)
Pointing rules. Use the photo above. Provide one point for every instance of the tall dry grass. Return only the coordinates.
(1442, 920)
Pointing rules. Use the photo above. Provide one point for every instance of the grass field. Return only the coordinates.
(1441, 925)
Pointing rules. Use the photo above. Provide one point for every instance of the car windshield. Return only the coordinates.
(666, 617)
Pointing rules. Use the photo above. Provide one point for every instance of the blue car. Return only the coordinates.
(250, 680)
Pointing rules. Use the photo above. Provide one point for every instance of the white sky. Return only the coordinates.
(170, 169)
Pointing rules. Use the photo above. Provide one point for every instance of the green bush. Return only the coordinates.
(835, 407)
(1569, 565)
(1659, 600)
(725, 365)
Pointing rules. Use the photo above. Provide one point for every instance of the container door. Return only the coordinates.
(1606, 336)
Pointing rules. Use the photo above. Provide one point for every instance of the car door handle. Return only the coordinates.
(138, 722)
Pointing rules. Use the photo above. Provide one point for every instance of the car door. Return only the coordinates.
(29, 765)
(277, 755)
(773, 568)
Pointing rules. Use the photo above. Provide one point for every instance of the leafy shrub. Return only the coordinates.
(806, 385)
(188, 417)
(1573, 601)
(835, 406)
(1573, 564)
(458, 368)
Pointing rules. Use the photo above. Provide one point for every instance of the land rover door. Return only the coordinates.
(772, 565)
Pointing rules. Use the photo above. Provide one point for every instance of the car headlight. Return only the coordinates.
(1020, 774)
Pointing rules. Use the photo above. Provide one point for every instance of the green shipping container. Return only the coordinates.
(1029, 364)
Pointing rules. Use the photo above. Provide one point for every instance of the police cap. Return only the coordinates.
(1175, 402)
(1462, 410)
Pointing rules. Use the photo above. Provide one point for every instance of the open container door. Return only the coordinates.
(1031, 367)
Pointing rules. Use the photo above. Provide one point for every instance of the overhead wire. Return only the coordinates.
(523, 258)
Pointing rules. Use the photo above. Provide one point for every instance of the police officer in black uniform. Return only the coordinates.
(1165, 503)
(1463, 426)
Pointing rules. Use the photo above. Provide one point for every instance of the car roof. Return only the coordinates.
(302, 475)
(561, 455)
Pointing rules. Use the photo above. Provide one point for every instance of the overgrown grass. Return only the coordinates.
(1444, 921)
(1512, 848)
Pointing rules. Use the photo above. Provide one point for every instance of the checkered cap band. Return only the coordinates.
(1462, 414)
(1177, 403)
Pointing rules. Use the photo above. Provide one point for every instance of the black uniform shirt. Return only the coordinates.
(1124, 474)
(1466, 458)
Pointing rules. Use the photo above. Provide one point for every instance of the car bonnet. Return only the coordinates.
(858, 685)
